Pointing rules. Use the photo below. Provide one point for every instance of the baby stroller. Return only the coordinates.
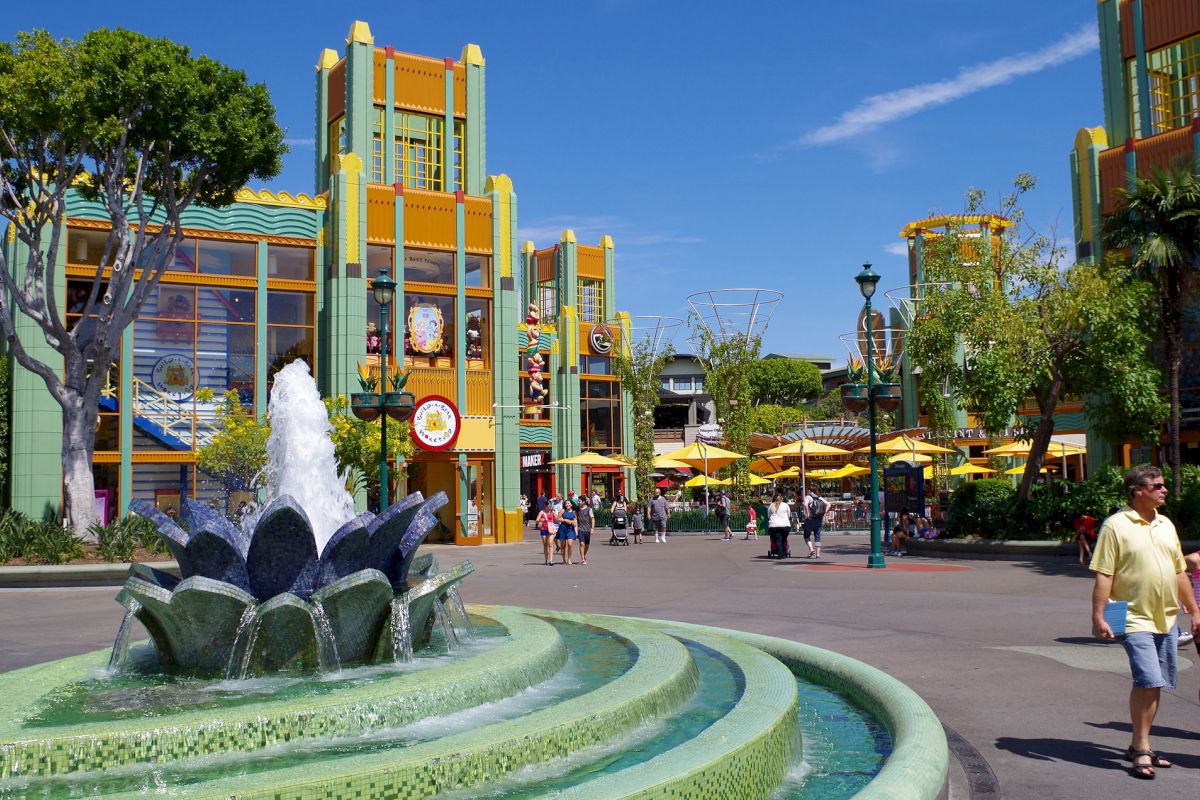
(620, 518)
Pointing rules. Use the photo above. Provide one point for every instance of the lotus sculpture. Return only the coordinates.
(263, 599)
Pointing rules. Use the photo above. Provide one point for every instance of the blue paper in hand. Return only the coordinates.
(1114, 615)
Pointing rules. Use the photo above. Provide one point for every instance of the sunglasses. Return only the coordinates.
(1157, 487)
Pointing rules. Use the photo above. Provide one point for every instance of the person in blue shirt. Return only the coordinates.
(566, 531)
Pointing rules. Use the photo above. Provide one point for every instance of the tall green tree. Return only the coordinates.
(146, 129)
(727, 365)
(783, 381)
(1030, 325)
(639, 363)
(1158, 219)
(770, 418)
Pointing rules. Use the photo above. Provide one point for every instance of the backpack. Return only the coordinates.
(818, 507)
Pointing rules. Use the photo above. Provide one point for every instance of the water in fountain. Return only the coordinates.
(243, 644)
(300, 455)
(401, 630)
(457, 604)
(121, 643)
(327, 653)
(442, 618)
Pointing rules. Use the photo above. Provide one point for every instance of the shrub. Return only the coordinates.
(48, 542)
(981, 507)
(12, 534)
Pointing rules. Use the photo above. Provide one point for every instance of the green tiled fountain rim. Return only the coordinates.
(534, 654)
(661, 680)
(917, 766)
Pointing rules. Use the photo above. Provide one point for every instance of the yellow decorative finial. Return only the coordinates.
(568, 236)
(498, 183)
(606, 242)
(328, 59)
(527, 247)
(360, 32)
(471, 54)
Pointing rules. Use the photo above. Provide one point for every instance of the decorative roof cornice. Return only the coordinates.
(993, 221)
(268, 198)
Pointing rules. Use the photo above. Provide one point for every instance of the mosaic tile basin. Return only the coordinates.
(542, 702)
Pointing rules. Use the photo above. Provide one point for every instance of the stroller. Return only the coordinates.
(620, 518)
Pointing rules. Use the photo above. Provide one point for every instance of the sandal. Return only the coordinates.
(1155, 759)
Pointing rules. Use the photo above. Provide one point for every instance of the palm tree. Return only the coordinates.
(1159, 220)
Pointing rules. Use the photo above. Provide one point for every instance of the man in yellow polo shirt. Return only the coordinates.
(1138, 560)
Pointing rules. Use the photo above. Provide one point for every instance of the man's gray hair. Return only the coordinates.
(1140, 476)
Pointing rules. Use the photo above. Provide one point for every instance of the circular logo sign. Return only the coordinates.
(601, 339)
(175, 376)
(435, 423)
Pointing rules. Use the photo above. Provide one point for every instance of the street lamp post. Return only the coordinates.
(867, 280)
(384, 289)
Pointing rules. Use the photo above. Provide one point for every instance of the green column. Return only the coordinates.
(391, 170)
(460, 342)
(1145, 118)
(448, 139)
(360, 94)
(328, 60)
(260, 334)
(565, 426)
(476, 143)
(507, 317)
(1112, 71)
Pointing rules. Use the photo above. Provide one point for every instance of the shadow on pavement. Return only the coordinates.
(1061, 568)
(1074, 751)
(1158, 731)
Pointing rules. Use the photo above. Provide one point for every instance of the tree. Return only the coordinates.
(356, 445)
(1029, 327)
(639, 365)
(783, 381)
(769, 418)
(147, 130)
(237, 453)
(726, 363)
(1159, 220)
(5, 415)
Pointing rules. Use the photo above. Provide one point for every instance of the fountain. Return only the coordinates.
(314, 653)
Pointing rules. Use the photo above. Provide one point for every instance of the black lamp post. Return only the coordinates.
(867, 280)
(384, 289)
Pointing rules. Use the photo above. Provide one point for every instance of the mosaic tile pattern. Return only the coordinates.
(535, 653)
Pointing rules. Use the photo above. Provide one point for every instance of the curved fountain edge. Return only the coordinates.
(920, 759)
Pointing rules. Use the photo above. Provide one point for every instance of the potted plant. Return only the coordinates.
(854, 393)
(887, 389)
(398, 403)
(367, 404)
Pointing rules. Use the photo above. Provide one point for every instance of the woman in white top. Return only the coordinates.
(779, 525)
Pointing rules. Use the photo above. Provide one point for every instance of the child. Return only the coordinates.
(752, 525)
(637, 522)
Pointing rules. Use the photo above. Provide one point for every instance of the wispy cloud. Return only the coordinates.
(589, 230)
(876, 110)
(299, 142)
(896, 248)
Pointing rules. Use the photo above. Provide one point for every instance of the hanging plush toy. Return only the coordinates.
(533, 360)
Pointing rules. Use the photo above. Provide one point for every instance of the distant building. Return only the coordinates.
(683, 404)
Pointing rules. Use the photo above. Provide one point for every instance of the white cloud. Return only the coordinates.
(897, 248)
(875, 110)
(295, 142)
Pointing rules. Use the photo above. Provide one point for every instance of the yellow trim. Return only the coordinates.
(360, 32)
(471, 54)
(568, 235)
(606, 242)
(478, 434)
(328, 59)
(351, 165)
(498, 183)
(162, 457)
(572, 330)
(501, 185)
(201, 233)
(527, 247)
(945, 220)
(286, 199)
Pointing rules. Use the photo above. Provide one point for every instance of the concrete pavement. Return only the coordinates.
(1000, 649)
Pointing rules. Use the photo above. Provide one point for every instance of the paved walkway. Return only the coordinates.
(1001, 650)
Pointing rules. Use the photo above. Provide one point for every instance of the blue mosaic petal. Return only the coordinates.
(201, 516)
(346, 551)
(213, 556)
(283, 555)
(424, 523)
(388, 529)
(172, 535)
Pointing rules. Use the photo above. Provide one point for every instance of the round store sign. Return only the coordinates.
(175, 376)
(435, 423)
(601, 339)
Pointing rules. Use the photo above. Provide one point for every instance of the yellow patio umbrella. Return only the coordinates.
(755, 480)
(1055, 449)
(972, 469)
(914, 458)
(765, 465)
(662, 462)
(803, 448)
(790, 472)
(1021, 469)
(819, 474)
(703, 456)
(906, 444)
(847, 471)
(706, 481)
(590, 459)
(624, 459)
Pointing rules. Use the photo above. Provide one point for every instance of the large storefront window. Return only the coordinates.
(479, 332)
(379, 257)
(429, 266)
(600, 415)
(478, 270)
(289, 263)
(291, 318)
(418, 151)
(591, 300)
(429, 327)
(1174, 87)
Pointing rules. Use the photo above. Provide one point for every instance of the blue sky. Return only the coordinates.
(774, 145)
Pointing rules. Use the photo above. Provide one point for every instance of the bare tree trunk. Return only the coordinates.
(79, 486)
(1173, 327)
(1041, 436)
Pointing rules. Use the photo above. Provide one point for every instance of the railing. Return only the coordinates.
(668, 434)
(194, 426)
(479, 393)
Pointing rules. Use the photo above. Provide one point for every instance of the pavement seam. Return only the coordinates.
(983, 783)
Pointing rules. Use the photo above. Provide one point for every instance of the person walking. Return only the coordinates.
(585, 520)
(566, 531)
(637, 521)
(815, 508)
(779, 525)
(752, 524)
(596, 499)
(723, 509)
(619, 517)
(1138, 560)
(659, 516)
(547, 526)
